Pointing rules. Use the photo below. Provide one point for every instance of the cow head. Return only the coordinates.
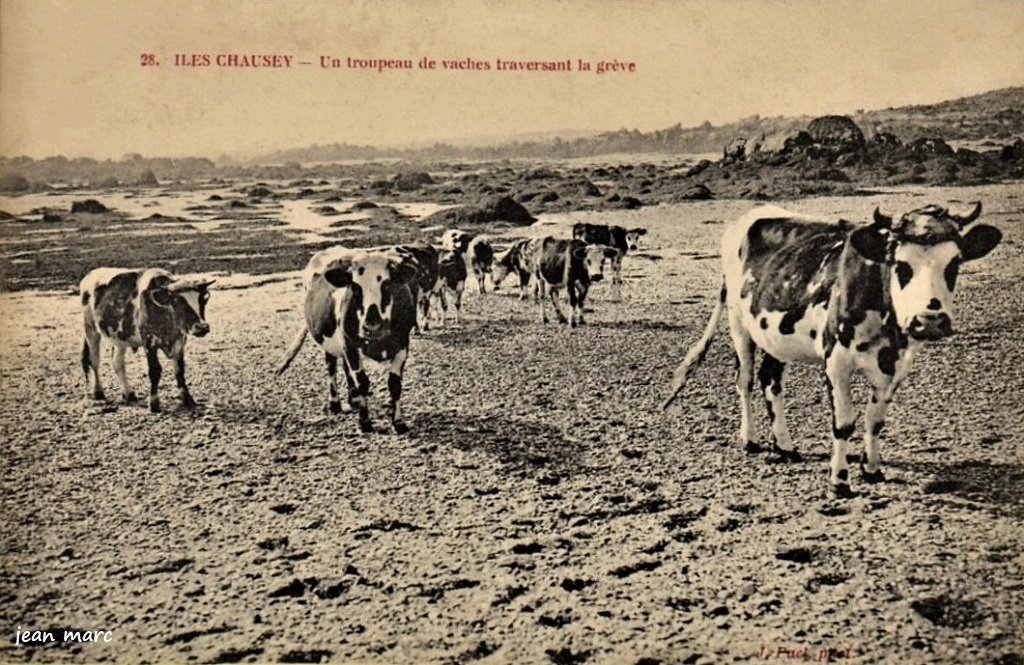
(924, 251)
(373, 279)
(501, 267)
(186, 300)
(633, 238)
(594, 257)
(456, 241)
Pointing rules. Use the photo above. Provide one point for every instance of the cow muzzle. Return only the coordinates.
(200, 329)
(930, 327)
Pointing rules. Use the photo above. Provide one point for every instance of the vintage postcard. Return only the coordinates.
(586, 331)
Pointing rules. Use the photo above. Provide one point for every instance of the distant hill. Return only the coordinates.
(994, 115)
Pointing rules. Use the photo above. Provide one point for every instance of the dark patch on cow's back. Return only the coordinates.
(115, 305)
(784, 257)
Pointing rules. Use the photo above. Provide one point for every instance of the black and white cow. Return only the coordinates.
(623, 240)
(150, 309)
(856, 298)
(425, 259)
(476, 251)
(451, 282)
(509, 261)
(559, 263)
(359, 305)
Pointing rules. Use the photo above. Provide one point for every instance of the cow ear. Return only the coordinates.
(403, 272)
(869, 243)
(639, 232)
(979, 241)
(338, 277)
(610, 252)
(160, 297)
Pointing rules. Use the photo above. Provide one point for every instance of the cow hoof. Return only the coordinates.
(334, 408)
(873, 478)
(753, 448)
(400, 427)
(188, 402)
(787, 456)
(130, 398)
(366, 426)
(842, 491)
(853, 458)
(154, 407)
(99, 396)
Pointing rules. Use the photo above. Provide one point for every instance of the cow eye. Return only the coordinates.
(951, 273)
(903, 273)
(361, 270)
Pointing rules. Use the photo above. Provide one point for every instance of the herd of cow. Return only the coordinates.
(857, 298)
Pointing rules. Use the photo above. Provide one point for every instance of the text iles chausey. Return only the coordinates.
(280, 61)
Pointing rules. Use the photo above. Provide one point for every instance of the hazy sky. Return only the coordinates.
(71, 81)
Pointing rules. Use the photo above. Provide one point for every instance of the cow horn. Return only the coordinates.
(964, 220)
(881, 220)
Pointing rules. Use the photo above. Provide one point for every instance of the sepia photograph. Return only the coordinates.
(654, 332)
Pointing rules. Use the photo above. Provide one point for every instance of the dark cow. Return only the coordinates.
(570, 264)
(425, 259)
(359, 305)
(476, 252)
(621, 239)
(451, 280)
(856, 298)
(150, 309)
(509, 261)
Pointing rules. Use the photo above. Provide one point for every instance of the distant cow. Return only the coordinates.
(150, 309)
(623, 240)
(425, 259)
(359, 305)
(570, 264)
(451, 281)
(856, 298)
(509, 261)
(476, 252)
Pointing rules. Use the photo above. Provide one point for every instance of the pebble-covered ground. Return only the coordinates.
(543, 509)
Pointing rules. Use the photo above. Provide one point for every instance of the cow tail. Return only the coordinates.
(293, 351)
(697, 352)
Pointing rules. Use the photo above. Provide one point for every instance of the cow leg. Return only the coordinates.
(540, 301)
(617, 275)
(179, 377)
(775, 399)
(122, 376)
(480, 279)
(884, 377)
(573, 296)
(458, 302)
(333, 399)
(359, 391)
(524, 285)
(744, 347)
(838, 371)
(553, 292)
(581, 298)
(91, 361)
(424, 311)
(395, 371)
(155, 370)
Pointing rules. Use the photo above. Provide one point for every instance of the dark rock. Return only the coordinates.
(410, 182)
(837, 132)
(91, 206)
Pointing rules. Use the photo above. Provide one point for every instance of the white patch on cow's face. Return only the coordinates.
(633, 240)
(196, 301)
(372, 275)
(922, 294)
(499, 272)
(595, 262)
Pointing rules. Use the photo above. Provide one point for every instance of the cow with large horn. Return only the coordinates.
(855, 298)
(150, 309)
